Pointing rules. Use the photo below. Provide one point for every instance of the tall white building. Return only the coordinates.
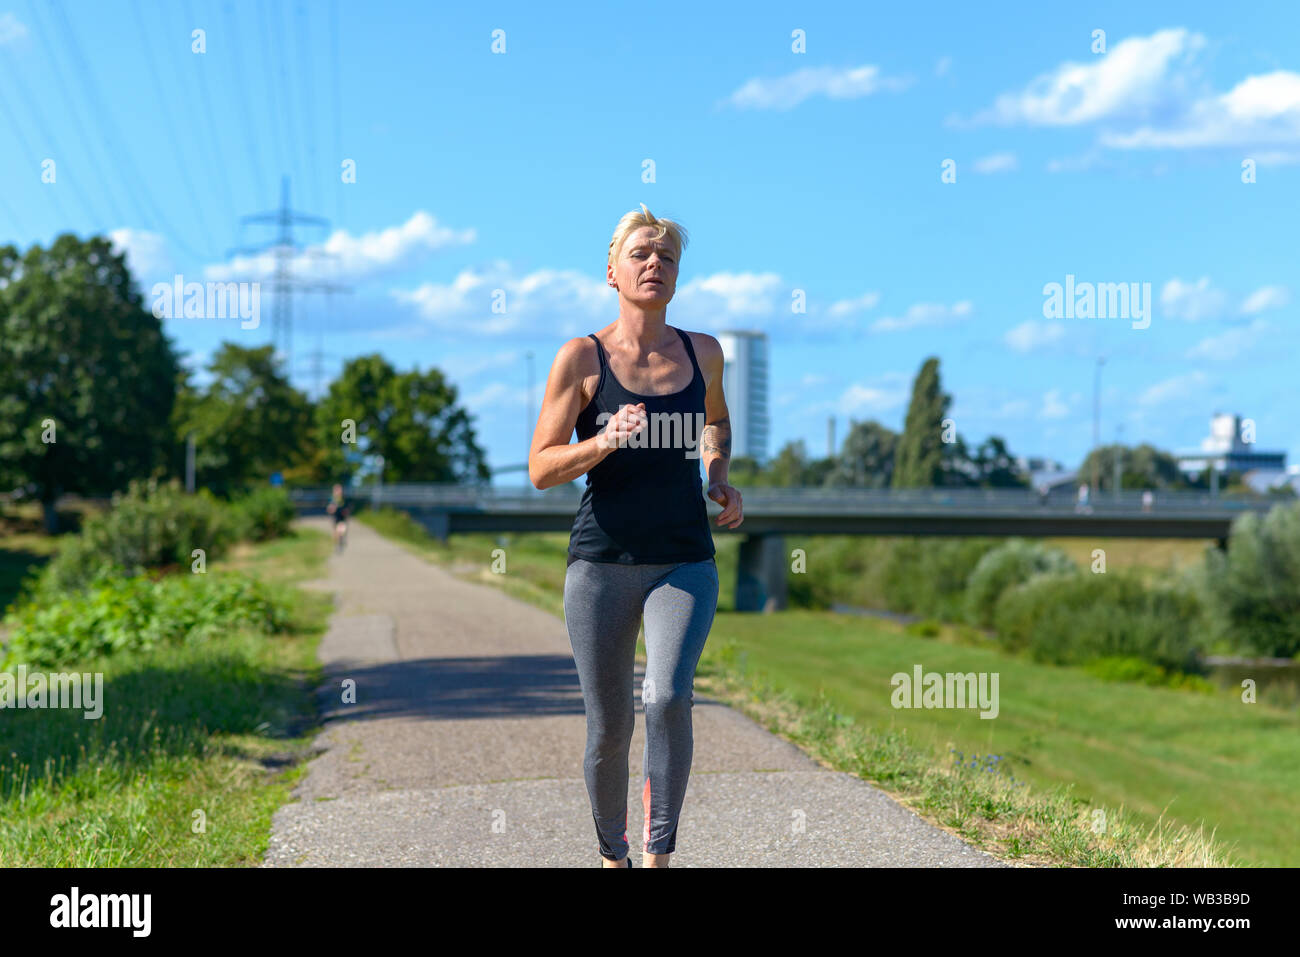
(744, 383)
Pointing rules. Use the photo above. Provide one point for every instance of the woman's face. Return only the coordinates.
(646, 268)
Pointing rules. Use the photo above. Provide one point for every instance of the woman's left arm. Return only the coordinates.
(715, 439)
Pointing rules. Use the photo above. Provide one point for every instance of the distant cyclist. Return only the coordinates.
(340, 508)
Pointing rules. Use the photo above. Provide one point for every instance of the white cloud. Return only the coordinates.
(567, 302)
(1034, 334)
(1259, 109)
(147, 255)
(1265, 298)
(1092, 159)
(717, 299)
(459, 367)
(11, 29)
(1013, 409)
(354, 259)
(1276, 158)
(1231, 344)
(1192, 301)
(1138, 73)
(1176, 389)
(848, 307)
(859, 399)
(787, 92)
(942, 67)
(532, 301)
(923, 314)
(996, 163)
(1054, 406)
(495, 394)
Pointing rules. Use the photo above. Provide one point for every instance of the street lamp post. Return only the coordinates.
(1096, 421)
(1119, 452)
(528, 431)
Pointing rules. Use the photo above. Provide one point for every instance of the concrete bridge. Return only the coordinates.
(772, 514)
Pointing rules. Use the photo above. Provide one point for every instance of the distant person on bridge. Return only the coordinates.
(641, 543)
(339, 507)
(1082, 504)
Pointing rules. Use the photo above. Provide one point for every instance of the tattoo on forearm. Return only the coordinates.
(716, 439)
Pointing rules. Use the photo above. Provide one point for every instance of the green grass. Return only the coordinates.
(209, 734)
(1193, 758)
(20, 555)
(1182, 778)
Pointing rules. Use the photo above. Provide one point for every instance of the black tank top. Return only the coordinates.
(645, 505)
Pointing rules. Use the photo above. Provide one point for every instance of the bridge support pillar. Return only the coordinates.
(760, 574)
(438, 524)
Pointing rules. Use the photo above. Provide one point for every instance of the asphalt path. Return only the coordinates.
(461, 745)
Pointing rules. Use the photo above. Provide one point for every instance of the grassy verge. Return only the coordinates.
(196, 748)
(1075, 771)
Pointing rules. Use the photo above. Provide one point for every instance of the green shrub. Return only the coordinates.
(1143, 672)
(151, 526)
(1012, 563)
(264, 514)
(927, 576)
(923, 576)
(139, 613)
(1254, 590)
(1071, 619)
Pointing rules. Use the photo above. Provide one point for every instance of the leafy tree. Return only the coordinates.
(410, 418)
(1141, 467)
(997, 466)
(87, 376)
(248, 422)
(866, 459)
(1255, 587)
(745, 472)
(919, 456)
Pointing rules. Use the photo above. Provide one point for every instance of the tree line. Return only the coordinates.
(931, 453)
(94, 394)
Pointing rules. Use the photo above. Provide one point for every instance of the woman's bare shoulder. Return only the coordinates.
(707, 348)
(577, 365)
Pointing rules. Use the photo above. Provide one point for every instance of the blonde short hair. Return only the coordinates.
(634, 220)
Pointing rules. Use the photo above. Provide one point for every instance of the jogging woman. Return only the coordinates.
(646, 400)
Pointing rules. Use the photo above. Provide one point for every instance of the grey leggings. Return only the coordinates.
(603, 607)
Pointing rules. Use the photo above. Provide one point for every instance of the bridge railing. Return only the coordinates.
(813, 500)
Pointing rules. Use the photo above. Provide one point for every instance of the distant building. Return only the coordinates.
(744, 383)
(1228, 452)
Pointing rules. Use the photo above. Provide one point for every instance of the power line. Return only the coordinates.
(286, 98)
(113, 136)
(273, 101)
(13, 217)
(25, 95)
(338, 113)
(22, 139)
(44, 33)
(201, 65)
(181, 163)
(237, 67)
(309, 115)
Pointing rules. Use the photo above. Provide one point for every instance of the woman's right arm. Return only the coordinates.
(552, 459)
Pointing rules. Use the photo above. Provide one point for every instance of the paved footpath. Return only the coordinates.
(464, 748)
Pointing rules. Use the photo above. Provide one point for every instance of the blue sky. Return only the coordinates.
(817, 173)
